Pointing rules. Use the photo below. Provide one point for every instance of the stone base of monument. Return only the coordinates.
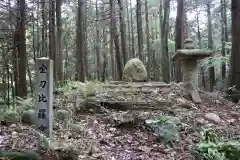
(191, 93)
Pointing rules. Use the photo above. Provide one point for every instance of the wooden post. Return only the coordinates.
(44, 95)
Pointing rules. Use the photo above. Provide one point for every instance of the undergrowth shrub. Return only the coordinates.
(211, 148)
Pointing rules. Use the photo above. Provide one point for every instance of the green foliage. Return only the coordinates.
(165, 128)
(210, 148)
(30, 155)
(13, 113)
(228, 47)
(213, 61)
(171, 46)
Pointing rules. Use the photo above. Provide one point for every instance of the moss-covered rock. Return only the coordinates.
(135, 71)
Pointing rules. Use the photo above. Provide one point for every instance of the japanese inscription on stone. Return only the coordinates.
(44, 95)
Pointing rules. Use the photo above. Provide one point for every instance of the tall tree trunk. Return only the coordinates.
(59, 40)
(210, 46)
(200, 46)
(130, 54)
(235, 65)
(80, 42)
(52, 36)
(38, 33)
(132, 30)
(148, 40)
(33, 41)
(22, 90)
(116, 39)
(198, 31)
(104, 42)
(139, 30)
(225, 20)
(85, 42)
(98, 42)
(166, 67)
(123, 32)
(159, 54)
(179, 36)
(44, 30)
(223, 38)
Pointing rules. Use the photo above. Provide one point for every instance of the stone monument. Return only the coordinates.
(44, 95)
(188, 58)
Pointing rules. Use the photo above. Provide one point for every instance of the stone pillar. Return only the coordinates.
(190, 72)
(44, 95)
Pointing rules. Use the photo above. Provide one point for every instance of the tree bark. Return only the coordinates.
(179, 37)
(139, 30)
(21, 47)
(235, 65)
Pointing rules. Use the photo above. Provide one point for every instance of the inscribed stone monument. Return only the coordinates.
(44, 95)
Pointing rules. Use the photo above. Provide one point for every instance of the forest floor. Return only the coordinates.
(118, 123)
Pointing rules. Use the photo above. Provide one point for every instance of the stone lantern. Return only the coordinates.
(188, 58)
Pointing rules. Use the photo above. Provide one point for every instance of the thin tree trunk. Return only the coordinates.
(148, 40)
(52, 37)
(130, 53)
(210, 46)
(223, 38)
(98, 42)
(59, 40)
(139, 30)
(132, 30)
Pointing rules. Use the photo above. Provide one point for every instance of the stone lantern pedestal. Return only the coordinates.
(188, 58)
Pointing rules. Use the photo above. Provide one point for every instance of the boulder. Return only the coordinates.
(135, 71)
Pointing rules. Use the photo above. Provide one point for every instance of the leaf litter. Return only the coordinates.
(109, 132)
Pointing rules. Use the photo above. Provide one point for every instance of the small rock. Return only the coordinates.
(234, 114)
(196, 97)
(28, 117)
(184, 104)
(217, 101)
(156, 91)
(231, 121)
(77, 126)
(62, 114)
(80, 102)
(200, 121)
(208, 125)
(14, 134)
(213, 118)
(181, 101)
(13, 125)
(112, 129)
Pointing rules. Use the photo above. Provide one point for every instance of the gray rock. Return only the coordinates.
(213, 118)
(196, 97)
(29, 117)
(62, 114)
